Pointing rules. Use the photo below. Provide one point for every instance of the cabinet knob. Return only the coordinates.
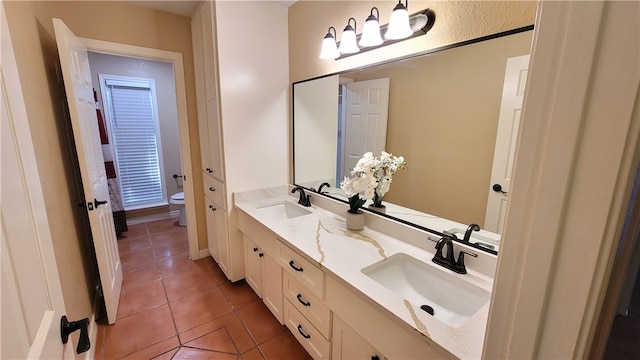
(212, 208)
(260, 254)
(212, 189)
(255, 249)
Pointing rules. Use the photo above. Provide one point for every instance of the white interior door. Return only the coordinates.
(77, 81)
(31, 295)
(510, 108)
(365, 125)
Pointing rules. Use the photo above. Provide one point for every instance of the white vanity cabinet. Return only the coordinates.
(264, 275)
(394, 339)
(262, 272)
(348, 344)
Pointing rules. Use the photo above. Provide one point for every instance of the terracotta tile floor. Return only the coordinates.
(175, 308)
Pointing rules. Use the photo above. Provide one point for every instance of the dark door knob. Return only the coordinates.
(498, 188)
(67, 327)
(98, 202)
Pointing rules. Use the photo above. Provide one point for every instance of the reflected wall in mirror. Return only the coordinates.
(442, 117)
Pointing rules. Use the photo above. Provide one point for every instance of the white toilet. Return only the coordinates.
(177, 199)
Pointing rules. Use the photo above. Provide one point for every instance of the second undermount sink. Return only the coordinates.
(446, 296)
(284, 210)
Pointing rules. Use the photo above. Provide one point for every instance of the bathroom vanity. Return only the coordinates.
(370, 294)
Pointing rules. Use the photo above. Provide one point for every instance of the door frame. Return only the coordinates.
(175, 58)
(564, 219)
(20, 130)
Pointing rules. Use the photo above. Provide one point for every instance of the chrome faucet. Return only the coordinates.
(470, 229)
(449, 262)
(323, 185)
(305, 200)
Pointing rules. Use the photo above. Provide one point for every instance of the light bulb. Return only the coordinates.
(399, 27)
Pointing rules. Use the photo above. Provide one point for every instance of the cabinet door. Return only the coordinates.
(210, 62)
(272, 286)
(211, 230)
(222, 239)
(347, 344)
(197, 32)
(253, 265)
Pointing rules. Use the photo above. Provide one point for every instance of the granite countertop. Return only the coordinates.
(322, 236)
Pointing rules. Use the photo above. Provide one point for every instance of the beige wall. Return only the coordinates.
(455, 21)
(36, 54)
(443, 118)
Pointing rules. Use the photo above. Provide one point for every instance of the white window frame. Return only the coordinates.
(107, 79)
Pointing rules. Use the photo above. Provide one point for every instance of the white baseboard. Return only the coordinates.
(203, 253)
(155, 217)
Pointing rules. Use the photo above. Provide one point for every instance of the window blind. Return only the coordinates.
(135, 137)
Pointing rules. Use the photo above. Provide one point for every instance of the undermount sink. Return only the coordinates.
(445, 296)
(284, 210)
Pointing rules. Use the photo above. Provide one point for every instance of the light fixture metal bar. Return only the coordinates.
(418, 25)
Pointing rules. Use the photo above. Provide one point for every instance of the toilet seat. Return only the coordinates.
(177, 198)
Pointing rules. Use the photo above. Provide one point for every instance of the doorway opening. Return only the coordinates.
(141, 57)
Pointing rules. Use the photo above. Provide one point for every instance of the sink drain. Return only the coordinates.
(428, 309)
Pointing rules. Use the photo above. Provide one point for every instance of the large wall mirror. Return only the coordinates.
(442, 116)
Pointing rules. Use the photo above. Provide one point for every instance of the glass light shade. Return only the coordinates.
(348, 44)
(329, 49)
(399, 27)
(371, 33)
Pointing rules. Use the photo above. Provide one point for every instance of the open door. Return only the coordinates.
(77, 81)
(515, 78)
(365, 123)
(31, 295)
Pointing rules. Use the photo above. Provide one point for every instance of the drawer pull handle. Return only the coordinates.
(305, 303)
(255, 249)
(212, 189)
(293, 266)
(306, 336)
(260, 254)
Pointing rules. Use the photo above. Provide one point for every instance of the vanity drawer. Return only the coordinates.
(310, 338)
(214, 190)
(308, 304)
(302, 270)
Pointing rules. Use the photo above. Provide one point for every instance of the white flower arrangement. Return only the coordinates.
(370, 179)
(387, 166)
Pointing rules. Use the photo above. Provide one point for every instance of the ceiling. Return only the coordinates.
(180, 7)
(185, 7)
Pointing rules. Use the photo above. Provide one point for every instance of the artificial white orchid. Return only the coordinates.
(371, 179)
(360, 186)
(384, 170)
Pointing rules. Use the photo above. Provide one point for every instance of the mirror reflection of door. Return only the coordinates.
(364, 125)
(508, 123)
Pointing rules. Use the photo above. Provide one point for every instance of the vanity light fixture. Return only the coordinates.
(348, 42)
(329, 47)
(419, 24)
(399, 27)
(371, 30)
